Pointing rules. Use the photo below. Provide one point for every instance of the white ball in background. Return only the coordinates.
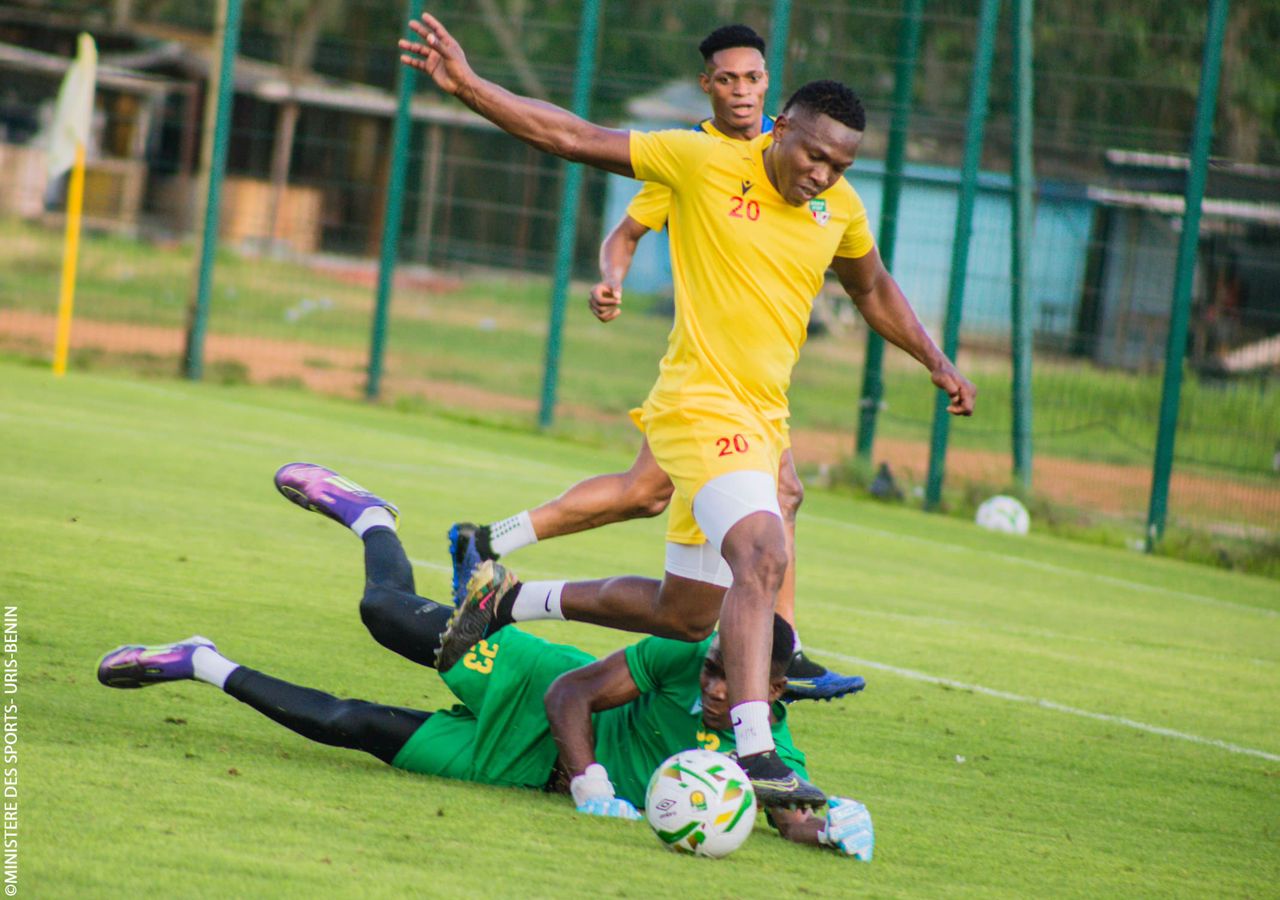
(1004, 513)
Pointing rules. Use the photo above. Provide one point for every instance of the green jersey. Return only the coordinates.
(499, 733)
(666, 718)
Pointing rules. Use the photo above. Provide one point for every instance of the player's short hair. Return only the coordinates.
(831, 98)
(730, 36)
(784, 644)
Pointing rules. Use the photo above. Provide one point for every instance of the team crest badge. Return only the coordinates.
(818, 209)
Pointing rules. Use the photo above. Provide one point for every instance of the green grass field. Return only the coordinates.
(1043, 718)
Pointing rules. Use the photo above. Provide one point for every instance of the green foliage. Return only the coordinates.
(138, 511)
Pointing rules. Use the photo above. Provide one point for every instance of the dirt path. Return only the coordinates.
(1104, 487)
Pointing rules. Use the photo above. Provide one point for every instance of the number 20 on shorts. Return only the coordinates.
(731, 445)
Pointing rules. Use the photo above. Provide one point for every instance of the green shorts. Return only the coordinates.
(499, 733)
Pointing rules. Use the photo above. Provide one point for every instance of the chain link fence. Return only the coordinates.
(303, 209)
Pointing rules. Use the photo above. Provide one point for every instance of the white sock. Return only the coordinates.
(751, 727)
(538, 600)
(797, 648)
(511, 534)
(211, 667)
(373, 517)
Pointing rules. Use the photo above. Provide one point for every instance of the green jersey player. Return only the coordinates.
(530, 714)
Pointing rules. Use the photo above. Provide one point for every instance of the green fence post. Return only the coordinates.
(988, 19)
(779, 33)
(895, 156)
(1023, 222)
(401, 132)
(567, 229)
(198, 315)
(1188, 241)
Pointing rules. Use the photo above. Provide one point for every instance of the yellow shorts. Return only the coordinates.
(695, 446)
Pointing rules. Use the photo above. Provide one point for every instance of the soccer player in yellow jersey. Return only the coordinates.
(754, 225)
(736, 80)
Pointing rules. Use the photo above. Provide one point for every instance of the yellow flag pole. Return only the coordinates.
(71, 250)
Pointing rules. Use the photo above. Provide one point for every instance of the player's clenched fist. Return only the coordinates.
(606, 301)
(438, 55)
(959, 390)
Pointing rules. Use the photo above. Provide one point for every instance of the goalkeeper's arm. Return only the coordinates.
(569, 702)
(846, 827)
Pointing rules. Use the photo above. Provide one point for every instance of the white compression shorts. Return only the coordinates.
(698, 562)
(722, 503)
(726, 500)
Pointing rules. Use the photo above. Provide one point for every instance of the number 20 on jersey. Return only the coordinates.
(741, 208)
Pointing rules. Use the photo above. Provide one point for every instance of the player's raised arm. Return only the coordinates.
(546, 126)
(569, 702)
(882, 304)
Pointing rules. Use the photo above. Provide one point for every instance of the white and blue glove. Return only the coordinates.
(848, 828)
(593, 794)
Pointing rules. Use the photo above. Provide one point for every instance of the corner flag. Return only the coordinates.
(71, 122)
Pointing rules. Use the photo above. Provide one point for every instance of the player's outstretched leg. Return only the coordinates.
(139, 666)
(474, 618)
(398, 618)
(809, 680)
(354, 724)
(326, 492)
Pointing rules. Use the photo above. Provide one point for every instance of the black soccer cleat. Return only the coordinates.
(474, 618)
(777, 785)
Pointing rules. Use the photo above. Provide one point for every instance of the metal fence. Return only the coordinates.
(292, 296)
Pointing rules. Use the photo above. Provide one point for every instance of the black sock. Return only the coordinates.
(317, 716)
(385, 562)
(803, 667)
(502, 616)
(483, 543)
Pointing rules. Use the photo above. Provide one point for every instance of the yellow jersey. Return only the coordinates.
(649, 207)
(746, 267)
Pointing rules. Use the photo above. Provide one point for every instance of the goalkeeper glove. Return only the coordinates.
(848, 828)
(593, 794)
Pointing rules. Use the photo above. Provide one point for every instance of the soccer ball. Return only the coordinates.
(1003, 513)
(701, 802)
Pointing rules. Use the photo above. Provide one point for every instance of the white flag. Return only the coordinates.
(74, 112)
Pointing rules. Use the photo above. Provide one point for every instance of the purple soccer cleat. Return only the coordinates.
(328, 493)
(136, 666)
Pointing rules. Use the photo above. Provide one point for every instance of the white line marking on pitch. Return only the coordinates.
(1049, 704)
(1006, 695)
(1048, 567)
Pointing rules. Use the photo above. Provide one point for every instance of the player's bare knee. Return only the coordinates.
(761, 564)
(691, 629)
(790, 496)
(647, 498)
(691, 615)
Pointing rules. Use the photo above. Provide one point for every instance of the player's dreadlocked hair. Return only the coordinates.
(831, 98)
(730, 36)
(784, 644)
